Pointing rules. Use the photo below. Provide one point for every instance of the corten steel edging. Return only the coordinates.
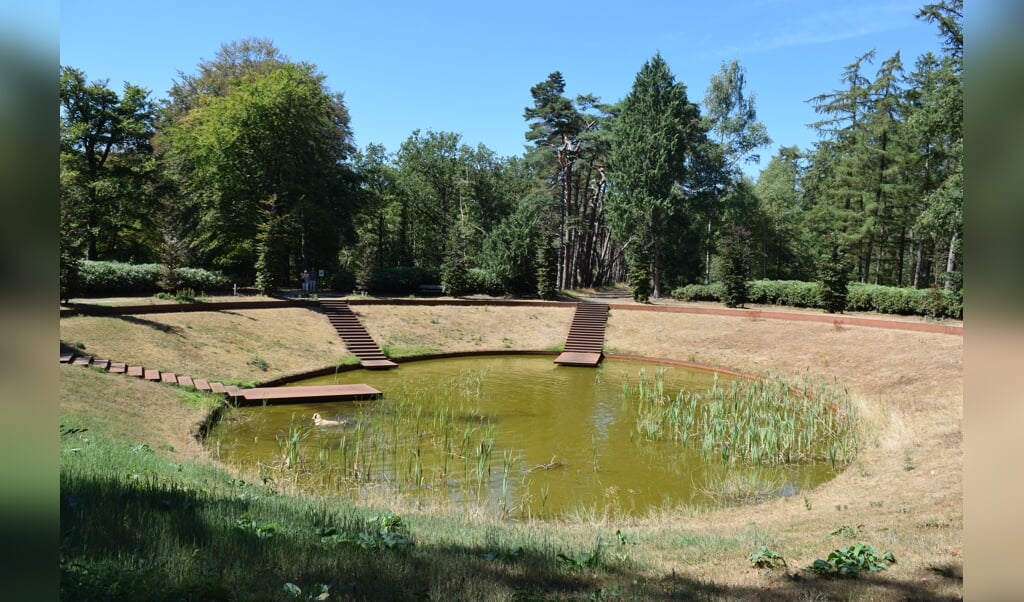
(327, 371)
(841, 319)
(89, 309)
(681, 364)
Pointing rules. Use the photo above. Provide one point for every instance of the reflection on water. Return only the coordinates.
(516, 434)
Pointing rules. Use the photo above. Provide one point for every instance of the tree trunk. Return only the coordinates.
(950, 262)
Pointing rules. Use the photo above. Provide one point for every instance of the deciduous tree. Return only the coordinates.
(107, 169)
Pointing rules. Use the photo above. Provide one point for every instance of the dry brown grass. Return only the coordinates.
(216, 345)
(905, 488)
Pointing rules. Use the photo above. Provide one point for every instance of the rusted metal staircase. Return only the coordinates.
(354, 335)
(585, 344)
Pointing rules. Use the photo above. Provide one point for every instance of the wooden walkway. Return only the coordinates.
(308, 393)
(240, 396)
(585, 344)
(354, 335)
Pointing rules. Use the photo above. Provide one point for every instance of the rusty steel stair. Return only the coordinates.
(354, 335)
(584, 346)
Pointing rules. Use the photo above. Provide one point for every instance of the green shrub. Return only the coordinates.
(883, 299)
(113, 278)
(197, 279)
(794, 293)
(342, 281)
(401, 280)
(934, 303)
(484, 282)
(699, 292)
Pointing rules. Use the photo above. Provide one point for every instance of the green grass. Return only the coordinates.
(138, 526)
(139, 522)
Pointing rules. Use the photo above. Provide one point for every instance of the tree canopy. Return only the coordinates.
(249, 167)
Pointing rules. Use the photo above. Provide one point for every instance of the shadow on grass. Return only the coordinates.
(151, 539)
(235, 313)
(167, 328)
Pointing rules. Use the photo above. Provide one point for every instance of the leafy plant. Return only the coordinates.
(319, 591)
(258, 362)
(248, 524)
(582, 560)
(766, 559)
(852, 560)
(848, 531)
(506, 555)
(387, 531)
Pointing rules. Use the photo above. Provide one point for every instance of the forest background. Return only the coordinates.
(248, 170)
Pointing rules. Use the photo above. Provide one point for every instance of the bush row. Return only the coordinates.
(407, 281)
(932, 302)
(113, 278)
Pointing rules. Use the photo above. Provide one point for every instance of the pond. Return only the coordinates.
(513, 434)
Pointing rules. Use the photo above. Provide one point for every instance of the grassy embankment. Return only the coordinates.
(147, 515)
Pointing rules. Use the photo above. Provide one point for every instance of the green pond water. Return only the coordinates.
(516, 435)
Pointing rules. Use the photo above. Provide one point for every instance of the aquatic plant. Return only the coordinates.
(751, 421)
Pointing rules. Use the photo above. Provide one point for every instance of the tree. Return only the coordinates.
(782, 237)
(569, 154)
(734, 249)
(432, 174)
(730, 117)
(233, 62)
(455, 269)
(261, 164)
(510, 249)
(937, 121)
(653, 134)
(107, 168)
(833, 276)
(734, 135)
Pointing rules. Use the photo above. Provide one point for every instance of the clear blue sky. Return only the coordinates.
(467, 66)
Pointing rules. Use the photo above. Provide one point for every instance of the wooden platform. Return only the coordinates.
(309, 393)
(575, 358)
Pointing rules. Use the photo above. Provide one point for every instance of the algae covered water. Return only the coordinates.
(516, 435)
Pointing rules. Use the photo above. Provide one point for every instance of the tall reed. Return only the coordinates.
(752, 421)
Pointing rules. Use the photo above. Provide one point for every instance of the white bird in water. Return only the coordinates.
(321, 421)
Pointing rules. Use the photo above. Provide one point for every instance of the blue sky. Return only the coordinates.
(467, 66)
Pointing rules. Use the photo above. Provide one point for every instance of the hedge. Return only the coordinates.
(113, 278)
(484, 282)
(933, 302)
(401, 280)
(699, 292)
(793, 293)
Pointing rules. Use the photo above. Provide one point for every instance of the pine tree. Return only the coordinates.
(455, 269)
(547, 271)
(833, 275)
(638, 263)
(735, 249)
(652, 137)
